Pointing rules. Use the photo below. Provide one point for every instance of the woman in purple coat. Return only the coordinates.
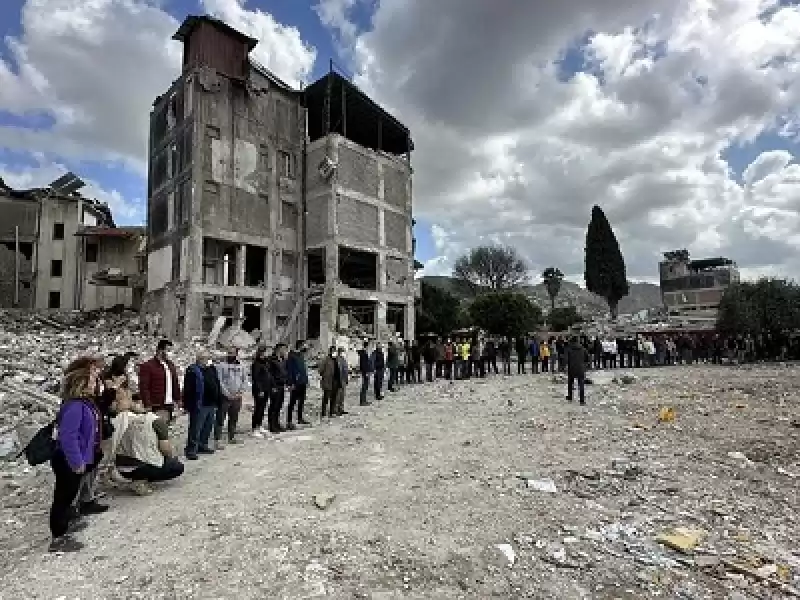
(78, 426)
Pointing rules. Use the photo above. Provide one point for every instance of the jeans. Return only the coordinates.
(201, 423)
(429, 372)
(378, 383)
(230, 409)
(392, 378)
(571, 379)
(171, 469)
(260, 402)
(297, 398)
(364, 388)
(68, 484)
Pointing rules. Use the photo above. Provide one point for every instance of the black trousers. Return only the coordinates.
(378, 383)
(571, 379)
(171, 469)
(68, 484)
(521, 366)
(276, 397)
(259, 408)
(506, 366)
(535, 364)
(228, 409)
(429, 372)
(493, 365)
(329, 400)
(297, 398)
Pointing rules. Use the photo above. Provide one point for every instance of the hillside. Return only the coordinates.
(642, 296)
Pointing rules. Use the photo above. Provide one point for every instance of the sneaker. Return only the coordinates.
(93, 508)
(141, 488)
(291, 427)
(65, 543)
(191, 456)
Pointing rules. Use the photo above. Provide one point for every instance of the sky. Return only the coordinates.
(680, 118)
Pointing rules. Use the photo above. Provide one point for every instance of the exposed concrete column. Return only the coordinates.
(382, 272)
(241, 261)
(381, 308)
(410, 319)
(329, 311)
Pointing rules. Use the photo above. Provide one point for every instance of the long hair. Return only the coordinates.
(77, 379)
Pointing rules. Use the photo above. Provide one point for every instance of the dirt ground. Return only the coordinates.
(429, 481)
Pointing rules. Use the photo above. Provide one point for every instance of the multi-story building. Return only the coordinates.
(283, 211)
(52, 242)
(694, 288)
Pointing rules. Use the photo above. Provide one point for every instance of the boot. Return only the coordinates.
(65, 543)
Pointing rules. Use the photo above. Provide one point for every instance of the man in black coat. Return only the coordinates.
(576, 358)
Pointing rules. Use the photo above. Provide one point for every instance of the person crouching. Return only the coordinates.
(141, 448)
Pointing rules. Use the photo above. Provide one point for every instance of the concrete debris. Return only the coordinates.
(543, 485)
(682, 539)
(324, 501)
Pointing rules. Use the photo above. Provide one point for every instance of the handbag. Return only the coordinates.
(41, 447)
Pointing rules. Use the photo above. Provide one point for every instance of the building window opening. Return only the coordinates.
(316, 267)
(219, 262)
(56, 267)
(54, 300)
(58, 231)
(358, 269)
(314, 321)
(255, 266)
(357, 317)
(396, 318)
(251, 310)
(286, 164)
(91, 253)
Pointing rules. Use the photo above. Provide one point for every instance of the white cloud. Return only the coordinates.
(506, 147)
(96, 66)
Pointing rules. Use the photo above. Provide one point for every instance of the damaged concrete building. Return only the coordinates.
(286, 212)
(55, 246)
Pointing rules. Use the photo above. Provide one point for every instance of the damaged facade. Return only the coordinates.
(286, 212)
(53, 242)
(694, 288)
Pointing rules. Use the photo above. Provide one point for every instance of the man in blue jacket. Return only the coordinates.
(297, 373)
(366, 368)
(533, 350)
(201, 397)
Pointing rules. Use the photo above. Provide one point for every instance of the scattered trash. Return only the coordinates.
(666, 414)
(682, 539)
(508, 552)
(542, 485)
(324, 501)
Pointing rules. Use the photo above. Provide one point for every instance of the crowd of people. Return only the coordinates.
(117, 420)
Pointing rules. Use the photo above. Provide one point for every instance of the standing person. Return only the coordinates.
(533, 350)
(416, 362)
(449, 357)
(393, 360)
(597, 351)
(232, 383)
(505, 356)
(491, 353)
(280, 379)
(379, 366)
(439, 357)
(344, 373)
(201, 397)
(576, 358)
(544, 352)
(466, 350)
(330, 375)
(158, 383)
(365, 365)
(429, 355)
(402, 362)
(475, 358)
(297, 371)
(522, 355)
(261, 386)
(78, 435)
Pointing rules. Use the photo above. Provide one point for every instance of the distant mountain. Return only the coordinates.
(642, 296)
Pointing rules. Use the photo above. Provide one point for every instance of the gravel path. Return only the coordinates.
(430, 480)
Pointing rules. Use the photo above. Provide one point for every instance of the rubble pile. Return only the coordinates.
(35, 348)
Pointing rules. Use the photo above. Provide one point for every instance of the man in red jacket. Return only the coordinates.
(158, 383)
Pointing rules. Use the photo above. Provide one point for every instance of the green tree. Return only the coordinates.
(552, 278)
(766, 306)
(491, 268)
(505, 313)
(438, 311)
(561, 319)
(604, 267)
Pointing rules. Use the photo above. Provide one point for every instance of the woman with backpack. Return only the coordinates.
(75, 451)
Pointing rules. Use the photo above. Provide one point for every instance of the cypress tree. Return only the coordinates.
(604, 272)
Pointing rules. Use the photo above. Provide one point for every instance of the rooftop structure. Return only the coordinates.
(695, 287)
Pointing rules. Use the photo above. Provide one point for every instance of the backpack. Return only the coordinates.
(41, 447)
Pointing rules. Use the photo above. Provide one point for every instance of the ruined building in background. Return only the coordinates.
(284, 211)
(694, 288)
(60, 250)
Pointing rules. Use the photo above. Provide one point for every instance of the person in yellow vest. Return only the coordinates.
(544, 353)
(465, 350)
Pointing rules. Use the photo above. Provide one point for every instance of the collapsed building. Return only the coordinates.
(61, 251)
(694, 288)
(284, 212)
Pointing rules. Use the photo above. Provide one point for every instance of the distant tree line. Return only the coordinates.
(767, 306)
